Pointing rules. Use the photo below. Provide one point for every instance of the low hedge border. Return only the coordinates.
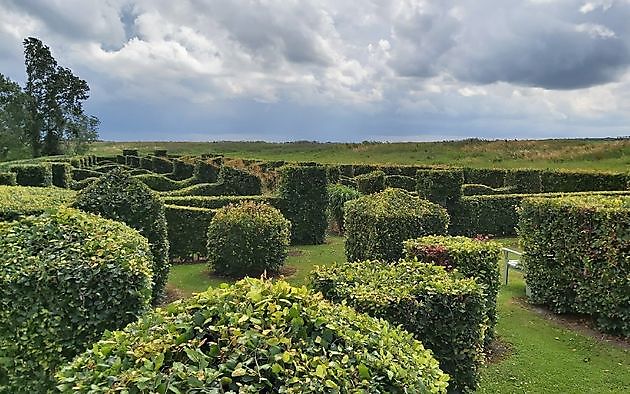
(19, 201)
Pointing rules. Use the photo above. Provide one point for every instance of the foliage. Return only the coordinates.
(303, 190)
(524, 180)
(376, 225)
(205, 171)
(161, 165)
(473, 258)
(371, 182)
(61, 174)
(248, 239)
(161, 183)
(182, 170)
(65, 278)
(14, 118)
(577, 256)
(130, 152)
(33, 174)
(8, 179)
(338, 195)
(118, 196)
(18, 201)
(239, 182)
(491, 177)
(401, 182)
(79, 174)
(201, 189)
(132, 161)
(80, 185)
(578, 181)
(187, 230)
(215, 202)
(440, 186)
(474, 189)
(445, 312)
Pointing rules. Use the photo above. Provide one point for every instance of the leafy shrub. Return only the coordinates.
(205, 171)
(161, 183)
(376, 225)
(61, 174)
(106, 168)
(239, 182)
(481, 190)
(332, 173)
(161, 165)
(132, 161)
(182, 170)
(120, 159)
(248, 239)
(201, 189)
(578, 181)
(346, 170)
(8, 179)
(491, 177)
(346, 181)
(187, 230)
(215, 202)
(440, 186)
(80, 185)
(39, 175)
(257, 337)
(130, 152)
(577, 256)
(160, 152)
(18, 201)
(338, 195)
(372, 182)
(524, 180)
(304, 195)
(360, 169)
(471, 257)
(146, 162)
(446, 313)
(118, 196)
(66, 278)
(401, 182)
(79, 174)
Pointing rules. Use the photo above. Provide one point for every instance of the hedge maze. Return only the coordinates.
(86, 245)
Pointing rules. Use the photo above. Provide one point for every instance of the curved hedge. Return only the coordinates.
(256, 337)
(65, 278)
(248, 239)
(18, 201)
(119, 196)
(376, 225)
(8, 179)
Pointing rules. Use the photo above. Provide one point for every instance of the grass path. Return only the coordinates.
(544, 356)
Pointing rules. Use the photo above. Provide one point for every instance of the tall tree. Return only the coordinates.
(14, 116)
(56, 104)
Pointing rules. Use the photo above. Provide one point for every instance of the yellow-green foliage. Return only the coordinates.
(17, 201)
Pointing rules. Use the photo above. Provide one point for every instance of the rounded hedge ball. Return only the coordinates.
(65, 277)
(256, 337)
(248, 239)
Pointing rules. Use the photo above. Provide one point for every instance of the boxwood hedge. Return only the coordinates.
(443, 186)
(446, 313)
(256, 337)
(372, 182)
(524, 180)
(39, 175)
(61, 174)
(187, 230)
(376, 225)
(19, 201)
(65, 278)
(401, 182)
(239, 182)
(8, 179)
(491, 177)
(205, 171)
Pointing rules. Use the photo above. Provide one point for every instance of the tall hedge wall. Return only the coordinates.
(524, 180)
(440, 186)
(578, 181)
(39, 175)
(372, 182)
(61, 174)
(492, 177)
(577, 256)
(187, 230)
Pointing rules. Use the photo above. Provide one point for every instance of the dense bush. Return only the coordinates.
(201, 189)
(578, 181)
(479, 190)
(346, 181)
(61, 174)
(8, 179)
(18, 201)
(161, 183)
(338, 195)
(39, 175)
(440, 186)
(372, 182)
(346, 170)
(79, 174)
(120, 159)
(524, 180)
(401, 182)
(446, 313)
(205, 171)
(376, 225)
(161, 165)
(118, 196)
(248, 239)
(471, 257)
(256, 337)
(577, 256)
(360, 169)
(215, 202)
(147, 163)
(130, 152)
(132, 161)
(187, 230)
(239, 182)
(182, 170)
(80, 185)
(304, 195)
(332, 173)
(66, 277)
(492, 177)
(160, 152)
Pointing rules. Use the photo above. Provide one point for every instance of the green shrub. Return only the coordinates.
(205, 171)
(187, 230)
(471, 257)
(349, 182)
(376, 225)
(182, 170)
(160, 152)
(304, 195)
(239, 182)
(146, 163)
(372, 182)
(577, 256)
(346, 170)
(8, 179)
(481, 190)
(132, 161)
(248, 239)
(118, 196)
(338, 195)
(440, 186)
(80, 185)
(130, 152)
(66, 277)
(332, 173)
(18, 201)
(256, 337)
(401, 182)
(201, 189)
(491, 177)
(162, 165)
(79, 174)
(61, 174)
(39, 175)
(524, 180)
(215, 202)
(360, 169)
(106, 168)
(120, 159)
(161, 183)
(578, 181)
(443, 311)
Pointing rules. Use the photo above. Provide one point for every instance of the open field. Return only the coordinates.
(602, 154)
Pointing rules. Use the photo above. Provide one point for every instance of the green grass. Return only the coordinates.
(544, 356)
(600, 154)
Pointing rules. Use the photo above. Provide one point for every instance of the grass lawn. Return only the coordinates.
(543, 355)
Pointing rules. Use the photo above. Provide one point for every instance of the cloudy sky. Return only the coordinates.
(337, 70)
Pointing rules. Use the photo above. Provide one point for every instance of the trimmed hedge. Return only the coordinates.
(201, 189)
(18, 201)
(79, 174)
(256, 337)
(524, 180)
(132, 161)
(160, 152)
(471, 257)
(161, 165)
(239, 182)
(66, 277)
(146, 163)
(118, 196)
(346, 181)
(130, 152)
(376, 225)
(338, 195)
(445, 312)
(61, 174)
(440, 186)
(372, 182)
(577, 256)
(304, 195)
(332, 173)
(401, 182)
(8, 179)
(80, 185)
(205, 171)
(39, 175)
(215, 202)
(491, 177)
(248, 239)
(161, 183)
(120, 159)
(578, 181)
(479, 190)
(187, 230)
(182, 170)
